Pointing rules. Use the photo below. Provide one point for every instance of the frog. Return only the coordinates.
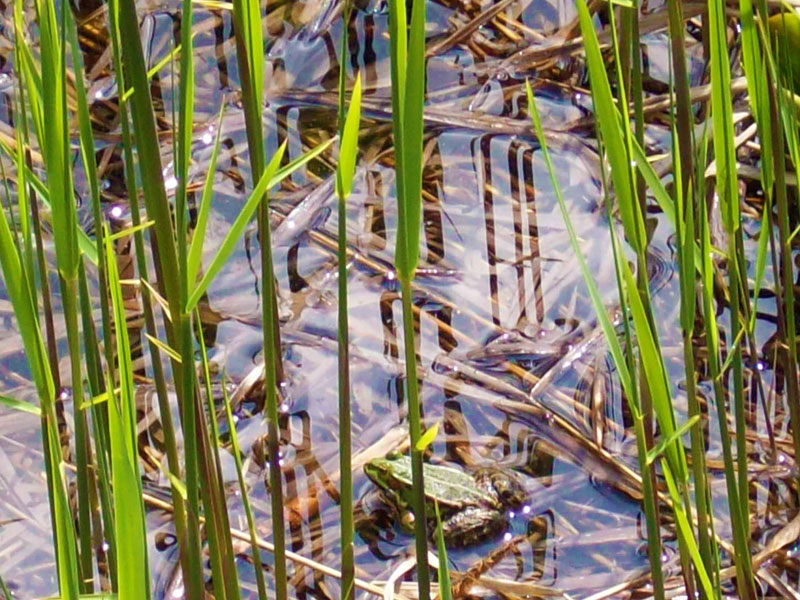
(472, 505)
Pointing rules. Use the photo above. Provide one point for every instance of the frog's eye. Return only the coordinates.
(393, 455)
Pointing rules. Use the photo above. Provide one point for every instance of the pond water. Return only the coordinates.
(512, 358)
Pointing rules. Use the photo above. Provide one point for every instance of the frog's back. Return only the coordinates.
(453, 487)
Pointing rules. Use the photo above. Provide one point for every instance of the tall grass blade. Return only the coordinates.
(248, 511)
(408, 96)
(236, 230)
(617, 354)
(18, 289)
(727, 191)
(195, 257)
(126, 43)
(55, 146)
(130, 535)
(348, 154)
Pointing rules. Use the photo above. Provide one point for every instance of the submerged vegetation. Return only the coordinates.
(217, 218)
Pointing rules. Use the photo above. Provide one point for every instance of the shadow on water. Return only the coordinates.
(513, 361)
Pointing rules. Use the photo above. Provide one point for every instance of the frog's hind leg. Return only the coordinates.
(473, 525)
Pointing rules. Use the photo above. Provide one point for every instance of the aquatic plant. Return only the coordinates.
(52, 270)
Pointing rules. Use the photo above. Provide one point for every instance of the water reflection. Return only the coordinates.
(513, 362)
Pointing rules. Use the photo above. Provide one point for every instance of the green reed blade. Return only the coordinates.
(195, 257)
(688, 265)
(685, 531)
(676, 435)
(727, 191)
(713, 346)
(408, 98)
(250, 59)
(55, 146)
(248, 511)
(6, 592)
(611, 128)
(236, 230)
(617, 355)
(18, 289)
(410, 162)
(99, 417)
(223, 560)
(149, 156)
(680, 76)
(348, 150)
(99, 420)
(348, 154)
(619, 143)
(653, 367)
(781, 118)
(183, 147)
(46, 380)
(130, 535)
(271, 177)
(20, 405)
(445, 586)
(594, 294)
(186, 514)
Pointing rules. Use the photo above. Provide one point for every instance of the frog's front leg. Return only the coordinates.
(473, 525)
(405, 519)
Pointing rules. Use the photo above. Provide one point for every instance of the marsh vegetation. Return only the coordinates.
(262, 261)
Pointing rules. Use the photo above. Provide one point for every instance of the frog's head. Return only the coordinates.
(383, 472)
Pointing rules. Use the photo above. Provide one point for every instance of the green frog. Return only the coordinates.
(471, 505)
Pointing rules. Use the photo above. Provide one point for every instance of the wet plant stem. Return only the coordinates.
(786, 325)
(415, 432)
(271, 343)
(345, 443)
(186, 529)
(69, 295)
(129, 52)
(347, 532)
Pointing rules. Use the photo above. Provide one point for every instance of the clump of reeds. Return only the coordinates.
(108, 478)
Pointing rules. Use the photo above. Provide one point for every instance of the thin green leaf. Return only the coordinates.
(685, 532)
(195, 258)
(171, 352)
(131, 536)
(608, 328)
(237, 229)
(20, 405)
(348, 150)
(671, 439)
(445, 586)
(427, 438)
